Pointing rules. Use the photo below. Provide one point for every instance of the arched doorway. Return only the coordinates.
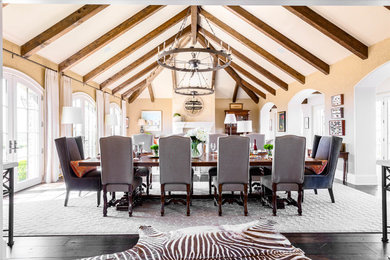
(268, 120)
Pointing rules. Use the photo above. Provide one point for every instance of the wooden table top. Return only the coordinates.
(207, 160)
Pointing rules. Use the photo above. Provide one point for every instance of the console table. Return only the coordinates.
(8, 189)
(385, 164)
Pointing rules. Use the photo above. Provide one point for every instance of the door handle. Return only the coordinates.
(10, 146)
(15, 143)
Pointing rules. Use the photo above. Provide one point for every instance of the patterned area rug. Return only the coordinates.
(254, 240)
(41, 211)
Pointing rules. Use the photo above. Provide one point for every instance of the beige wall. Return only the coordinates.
(206, 115)
(223, 104)
(134, 113)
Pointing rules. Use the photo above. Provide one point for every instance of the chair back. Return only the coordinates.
(327, 148)
(147, 139)
(175, 160)
(288, 164)
(233, 160)
(260, 140)
(69, 149)
(213, 138)
(116, 160)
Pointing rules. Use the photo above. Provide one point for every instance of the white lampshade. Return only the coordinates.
(244, 126)
(141, 122)
(230, 119)
(112, 120)
(72, 115)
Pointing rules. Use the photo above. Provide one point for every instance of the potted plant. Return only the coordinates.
(198, 136)
(269, 148)
(154, 149)
(176, 117)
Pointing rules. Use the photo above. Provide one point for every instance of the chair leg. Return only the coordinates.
(303, 194)
(220, 200)
(162, 199)
(66, 198)
(113, 195)
(300, 191)
(150, 178)
(104, 200)
(99, 195)
(188, 198)
(315, 191)
(130, 196)
(215, 196)
(79, 193)
(210, 179)
(331, 195)
(246, 199)
(250, 184)
(147, 185)
(274, 206)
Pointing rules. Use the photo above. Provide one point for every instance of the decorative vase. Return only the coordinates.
(196, 149)
(155, 153)
(269, 153)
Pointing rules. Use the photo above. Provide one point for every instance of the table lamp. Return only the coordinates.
(230, 119)
(72, 116)
(244, 126)
(141, 123)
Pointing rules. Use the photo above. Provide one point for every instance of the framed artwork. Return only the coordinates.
(153, 120)
(337, 100)
(237, 106)
(282, 121)
(270, 124)
(337, 112)
(306, 122)
(127, 122)
(337, 127)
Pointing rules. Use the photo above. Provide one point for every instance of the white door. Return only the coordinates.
(23, 127)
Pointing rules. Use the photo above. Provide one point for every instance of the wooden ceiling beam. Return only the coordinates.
(280, 38)
(135, 77)
(331, 30)
(59, 29)
(194, 23)
(131, 90)
(135, 46)
(387, 7)
(253, 78)
(109, 37)
(142, 59)
(151, 94)
(4, 5)
(235, 93)
(246, 60)
(254, 47)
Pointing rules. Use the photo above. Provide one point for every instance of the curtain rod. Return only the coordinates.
(62, 73)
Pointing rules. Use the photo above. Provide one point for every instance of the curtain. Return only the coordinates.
(52, 123)
(100, 115)
(66, 130)
(107, 113)
(124, 116)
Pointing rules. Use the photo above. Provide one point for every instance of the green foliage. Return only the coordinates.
(176, 114)
(22, 170)
(268, 147)
(154, 147)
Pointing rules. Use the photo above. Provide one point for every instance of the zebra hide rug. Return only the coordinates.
(253, 240)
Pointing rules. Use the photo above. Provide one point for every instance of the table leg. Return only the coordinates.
(384, 206)
(345, 172)
(11, 208)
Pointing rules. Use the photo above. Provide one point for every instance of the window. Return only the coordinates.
(115, 113)
(88, 129)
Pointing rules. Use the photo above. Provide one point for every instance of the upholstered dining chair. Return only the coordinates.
(255, 170)
(213, 138)
(288, 168)
(147, 140)
(232, 169)
(71, 149)
(324, 148)
(175, 168)
(117, 168)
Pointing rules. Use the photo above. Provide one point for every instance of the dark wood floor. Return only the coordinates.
(341, 246)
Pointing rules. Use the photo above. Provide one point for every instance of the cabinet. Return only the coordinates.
(240, 114)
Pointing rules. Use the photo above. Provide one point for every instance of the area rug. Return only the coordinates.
(41, 211)
(254, 240)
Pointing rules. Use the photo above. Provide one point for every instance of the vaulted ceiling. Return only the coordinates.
(272, 46)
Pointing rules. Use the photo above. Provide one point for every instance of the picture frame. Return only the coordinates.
(337, 127)
(282, 121)
(236, 106)
(306, 122)
(337, 100)
(153, 119)
(337, 112)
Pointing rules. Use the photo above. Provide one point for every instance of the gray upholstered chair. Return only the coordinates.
(232, 169)
(71, 149)
(147, 140)
(117, 168)
(288, 168)
(324, 148)
(255, 170)
(213, 138)
(175, 168)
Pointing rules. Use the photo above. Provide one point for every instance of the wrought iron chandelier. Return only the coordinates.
(193, 62)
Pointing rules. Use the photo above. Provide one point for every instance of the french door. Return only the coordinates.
(23, 127)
